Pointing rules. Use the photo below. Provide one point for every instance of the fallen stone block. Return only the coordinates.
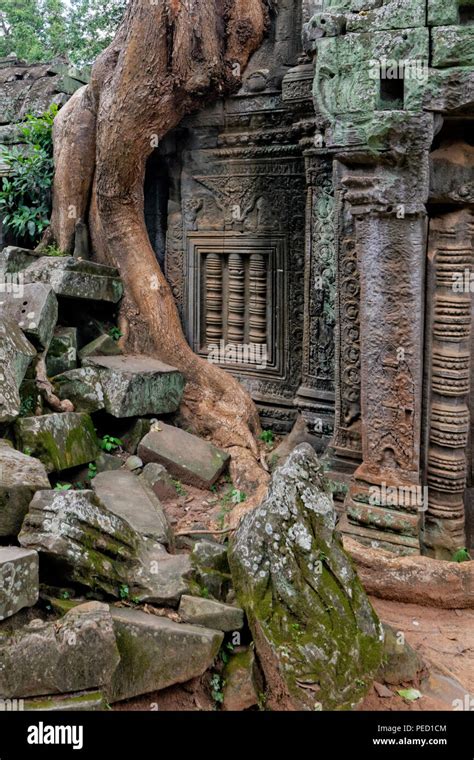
(36, 312)
(124, 495)
(211, 571)
(72, 278)
(134, 435)
(413, 580)
(316, 635)
(20, 477)
(16, 354)
(102, 551)
(191, 459)
(157, 478)
(156, 652)
(14, 259)
(60, 441)
(222, 617)
(137, 385)
(84, 701)
(77, 653)
(242, 682)
(104, 345)
(62, 352)
(19, 580)
(400, 663)
(82, 387)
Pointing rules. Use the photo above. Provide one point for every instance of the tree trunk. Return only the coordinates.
(169, 57)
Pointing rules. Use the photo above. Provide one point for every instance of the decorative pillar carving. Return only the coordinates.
(449, 337)
(391, 265)
(257, 299)
(236, 300)
(316, 392)
(213, 298)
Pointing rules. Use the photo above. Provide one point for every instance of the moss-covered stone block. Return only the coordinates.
(73, 278)
(59, 441)
(20, 477)
(137, 385)
(62, 352)
(317, 637)
(156, 652)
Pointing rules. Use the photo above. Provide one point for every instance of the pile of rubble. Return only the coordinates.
(99, 602)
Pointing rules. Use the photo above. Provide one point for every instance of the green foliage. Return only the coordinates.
(461, 555)
(267, 436)
(124, 591)
(63, 486)
(110, 443)
(217, 685)
(27, 406)
(115, 333)
(53, 250)
(92, 470)
(410, 694)
(25, 195)
(40, 30)
(179, 488)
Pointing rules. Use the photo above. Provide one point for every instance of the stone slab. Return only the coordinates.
(207, 612)
(62, 352)
(138, 385)
(77, 654)
(104, 345)
(188, 458)
(157, 652)
(19, 579)
(60, 441)
(16, 354)
(124, 495)
(73, 278)
(36, 312)
(20, 477)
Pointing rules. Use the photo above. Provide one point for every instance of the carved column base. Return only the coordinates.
(384, 512)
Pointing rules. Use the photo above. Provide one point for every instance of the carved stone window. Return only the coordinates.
(236, 301)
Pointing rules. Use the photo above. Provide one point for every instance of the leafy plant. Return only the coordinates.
(115, 333)
(179, 488)
(110, 443)
(124, 591)
(217, 686)
(461, 555)
(27, 406)
(204, 592)
(410, 694)
(63, 486)
(53, 250)
(92, 470)
(25, 194)
(267, 436)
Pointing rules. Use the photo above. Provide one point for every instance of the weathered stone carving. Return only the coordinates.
(449, 336)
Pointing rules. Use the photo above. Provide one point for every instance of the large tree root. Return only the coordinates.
(168, 58)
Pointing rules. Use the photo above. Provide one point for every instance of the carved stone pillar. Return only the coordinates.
(449, 339)
(316, 393)
(384, 501)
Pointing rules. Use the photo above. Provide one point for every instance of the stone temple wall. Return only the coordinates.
(312, 240)
(394, 100)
